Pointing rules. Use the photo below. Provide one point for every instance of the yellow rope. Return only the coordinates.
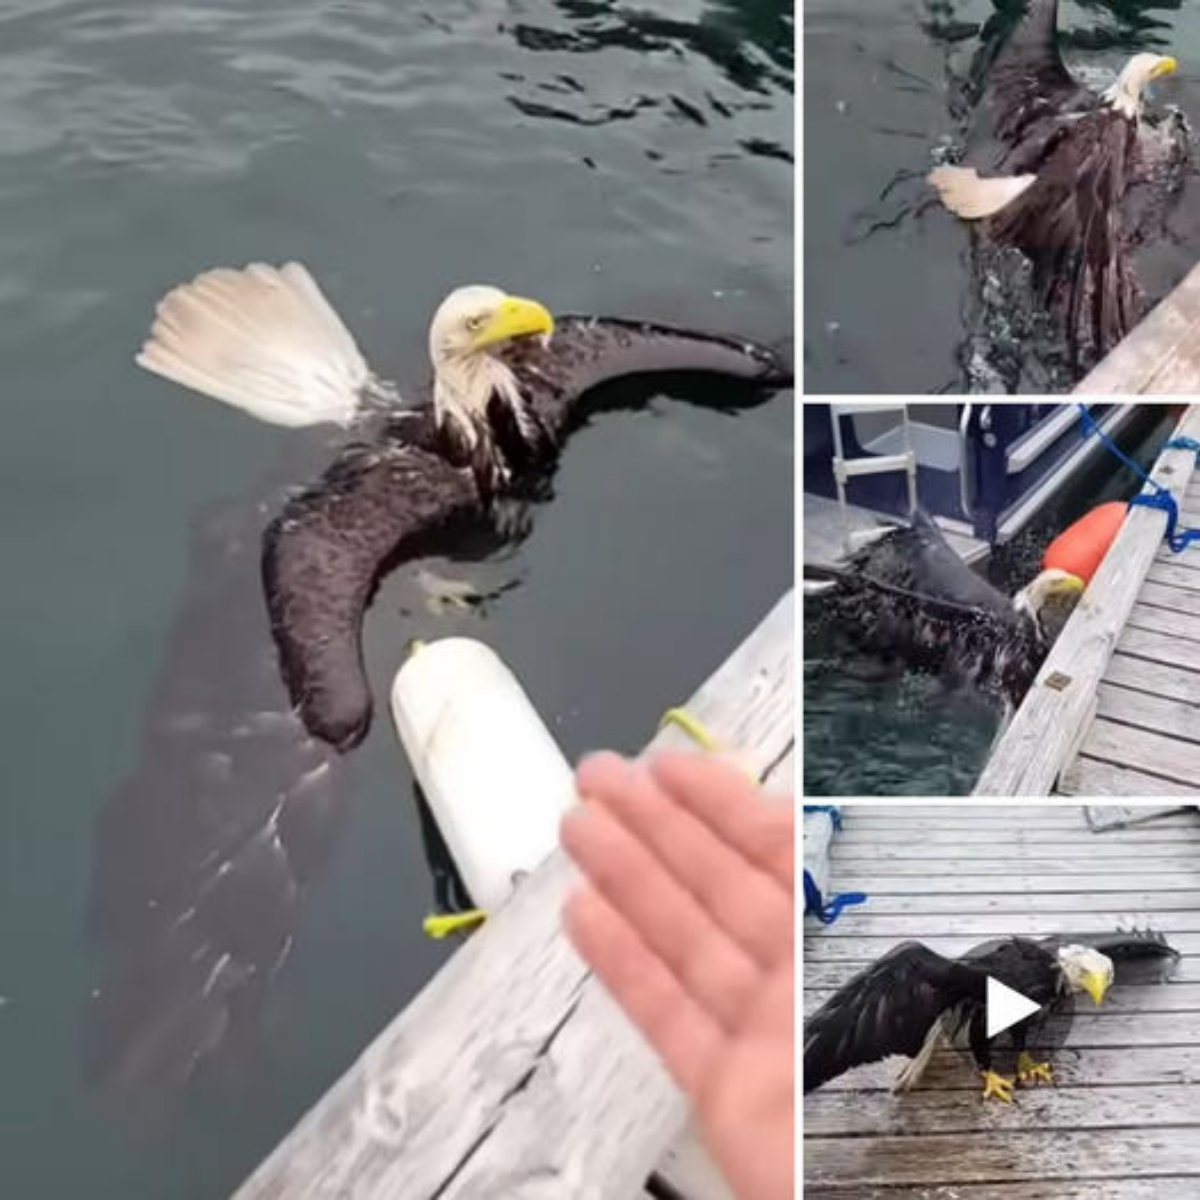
(692, 726)
(440, 925)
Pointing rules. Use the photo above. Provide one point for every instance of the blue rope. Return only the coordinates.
(835, 813)
(1158, 497)
(827, 911)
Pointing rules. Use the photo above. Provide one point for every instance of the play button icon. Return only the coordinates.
(1006, 1007)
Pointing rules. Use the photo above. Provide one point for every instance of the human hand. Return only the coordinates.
(687, 917)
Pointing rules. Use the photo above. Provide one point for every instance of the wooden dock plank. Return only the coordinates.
(1035, 1155)
(879, 1114)
(512, 1073)
(1074, 1067)
(1160, 355)
(1087, 777)
(1162, 756)
(1050, 724)
(1160, 1187)
(1125, 1110)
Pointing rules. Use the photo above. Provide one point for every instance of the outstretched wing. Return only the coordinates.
(322, 557)
(1028, 80)
(587, 352)
(1138, 956)
(886, 1009)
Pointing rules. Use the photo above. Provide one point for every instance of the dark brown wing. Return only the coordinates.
(322, 556)
(888, 1008)
(1028, 82)
(1069, 224)
(587, 352)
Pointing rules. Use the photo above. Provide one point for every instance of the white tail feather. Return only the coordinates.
(968, 196)
(263, 339)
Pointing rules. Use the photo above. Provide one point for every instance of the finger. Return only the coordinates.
(747, 902)
(712, 968)
(761, 830)
(683, 1034)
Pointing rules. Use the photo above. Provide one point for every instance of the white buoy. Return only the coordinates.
(493, 775)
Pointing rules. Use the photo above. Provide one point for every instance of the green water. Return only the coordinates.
(599, 157)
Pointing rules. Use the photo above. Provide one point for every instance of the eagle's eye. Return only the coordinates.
(475, 324)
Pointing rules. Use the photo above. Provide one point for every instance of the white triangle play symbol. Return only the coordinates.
(1006, 1007)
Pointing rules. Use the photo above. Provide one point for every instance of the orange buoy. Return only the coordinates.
(1081, 547)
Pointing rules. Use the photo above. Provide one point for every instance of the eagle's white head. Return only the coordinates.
(470, 325)
(1086, 970)
(1052, 593)
(1126, 94)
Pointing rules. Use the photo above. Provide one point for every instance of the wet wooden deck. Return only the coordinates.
(513, 1074)
(1115, 710)
(1161, 355)
(1123, 1122)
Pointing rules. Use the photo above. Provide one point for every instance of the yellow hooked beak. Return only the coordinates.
(514, 317)
(1164, 66)
(1095, 984)
(1068, 585)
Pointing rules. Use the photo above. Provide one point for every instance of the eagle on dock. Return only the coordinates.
(510, 383)
(1058, 171)
(907, 597)
(913, 1000)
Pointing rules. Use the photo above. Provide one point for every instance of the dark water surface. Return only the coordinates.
(911, 734)
(891, 301)
(597, 156)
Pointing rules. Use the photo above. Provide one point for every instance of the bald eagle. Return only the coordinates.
(907, 597)
(1052, 170)
(509, 384)
(912, 1000)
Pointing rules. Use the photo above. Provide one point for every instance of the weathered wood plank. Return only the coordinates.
(970, 854)
(1157, 356)
(1177, 577)
(1017, 882)
(1062, 868)
(1092, 777)
(1160, 647)
(868, 923)
(879, 1113)
(1105, 908)
(1074, 1066)
(1046, 729)
(1163, 756)
(1160, 1187)
(1166, 621)
(867, 948)
(1029, 1154)
(513, 1067)
(1160, 679)
(1162, 595)
(1176, 718)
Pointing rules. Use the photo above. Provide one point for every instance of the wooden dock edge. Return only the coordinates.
(1049, 726)
(512, 1073)
(1160, 355)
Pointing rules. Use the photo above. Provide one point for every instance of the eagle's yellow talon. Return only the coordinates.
(999, 1086)
(1030, 1072)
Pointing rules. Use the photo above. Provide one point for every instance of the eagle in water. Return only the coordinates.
(1054, 169)
(907, 597)
(510, 382)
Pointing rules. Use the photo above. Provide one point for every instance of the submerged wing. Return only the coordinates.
(322, 557)
(886, 1009)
